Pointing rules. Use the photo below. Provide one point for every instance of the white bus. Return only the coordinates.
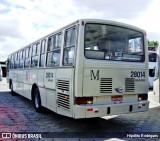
(90, 68)
(152, 63)
(156, 84)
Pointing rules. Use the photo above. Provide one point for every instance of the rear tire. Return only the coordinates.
(37, 101)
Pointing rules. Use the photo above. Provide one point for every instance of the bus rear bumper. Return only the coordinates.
(90, 111)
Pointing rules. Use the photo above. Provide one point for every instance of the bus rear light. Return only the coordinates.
(143, 105)
(142, 97)
(139, 98)
(89, 109)
(83, 100)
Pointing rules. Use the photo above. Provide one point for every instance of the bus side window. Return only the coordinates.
(21, 59)
(69, 47)
(12, 62)
(16, 60)
(42, 53)
(34, 57)
(27, 57)
(9, 62)
(53, 50)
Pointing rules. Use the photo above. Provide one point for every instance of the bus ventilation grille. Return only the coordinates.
(106, 85)
(63, 94)
(63, 85)
(130, 86)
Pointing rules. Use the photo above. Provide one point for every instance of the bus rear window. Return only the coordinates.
(107, 42)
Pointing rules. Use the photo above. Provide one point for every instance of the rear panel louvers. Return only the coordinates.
(130, 86)
(63, 85)
(63, 94)
(106, 85)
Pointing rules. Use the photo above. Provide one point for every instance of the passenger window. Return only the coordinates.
(53, 50)
(69, 48)
(21, 62)
(16, 61)
(34, 57)
(42, 53)
(27, 57)
(12, 62)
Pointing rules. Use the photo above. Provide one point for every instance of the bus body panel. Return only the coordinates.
(99, 110)
(49, 85)
(41, 86)
(20, 82)
(41, 76)
(51, 99)
(156, 83)
(79, 62)
(27, 84)
(33, 76)
(105, 80)
(50, 78)
(64, 91)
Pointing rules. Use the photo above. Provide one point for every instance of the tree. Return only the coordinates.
(153, 43)
(156, 43)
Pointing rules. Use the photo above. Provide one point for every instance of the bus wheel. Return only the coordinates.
(12, 92)
(37, 101)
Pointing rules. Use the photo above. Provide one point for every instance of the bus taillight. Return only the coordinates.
(83, 100)
(142, 97)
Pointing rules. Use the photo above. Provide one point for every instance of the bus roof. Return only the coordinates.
(102, 21)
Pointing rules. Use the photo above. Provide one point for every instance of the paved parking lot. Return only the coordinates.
(17, 114)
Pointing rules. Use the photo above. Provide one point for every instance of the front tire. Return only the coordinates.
(37, 101)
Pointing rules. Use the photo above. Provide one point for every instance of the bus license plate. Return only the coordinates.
(117, 98)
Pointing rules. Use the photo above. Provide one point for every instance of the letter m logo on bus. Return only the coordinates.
(94, 76)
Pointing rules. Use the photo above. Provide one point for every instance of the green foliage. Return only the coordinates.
(153, 43)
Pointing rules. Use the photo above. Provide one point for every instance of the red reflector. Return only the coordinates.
(143, 104)
(82, 23)
(90, 109)
(62, 91)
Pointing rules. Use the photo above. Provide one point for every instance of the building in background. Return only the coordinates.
(3, 69)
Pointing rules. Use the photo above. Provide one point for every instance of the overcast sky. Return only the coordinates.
(23, 21)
